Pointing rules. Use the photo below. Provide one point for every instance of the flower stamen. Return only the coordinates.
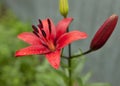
(35, 28)
(49, 25)
(40, 24)
(43, 33)
(36, 34)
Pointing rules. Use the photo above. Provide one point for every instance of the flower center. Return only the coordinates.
(51, 46)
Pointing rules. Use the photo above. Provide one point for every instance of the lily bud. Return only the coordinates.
(63, 7)
(104, 32)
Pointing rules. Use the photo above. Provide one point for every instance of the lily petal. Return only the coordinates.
(34, 49)
(67, 38)
(54, 59)
(29, 38)
(62, 26)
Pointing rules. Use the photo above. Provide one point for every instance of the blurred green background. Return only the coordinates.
(16, 16)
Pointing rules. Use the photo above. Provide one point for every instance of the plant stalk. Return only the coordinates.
(84, 53)
(69, 64)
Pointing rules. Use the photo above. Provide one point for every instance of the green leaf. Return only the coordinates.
(86, 77)
(62, 75)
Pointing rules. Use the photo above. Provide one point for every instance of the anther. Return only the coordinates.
(49, 25)
(43, 33)
(36, 34)
(35, 28)
(40, 24)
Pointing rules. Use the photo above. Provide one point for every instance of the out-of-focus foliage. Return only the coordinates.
(30, 70)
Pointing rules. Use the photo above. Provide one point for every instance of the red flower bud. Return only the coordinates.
(104, 32)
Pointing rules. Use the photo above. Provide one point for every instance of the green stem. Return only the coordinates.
(75, 56)
(69, 64)
(69, 67)
(78, 55)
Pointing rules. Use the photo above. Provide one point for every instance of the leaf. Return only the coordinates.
(86, 77)
(62, 75)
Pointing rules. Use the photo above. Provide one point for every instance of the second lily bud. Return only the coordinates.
(104, 32)
(63, 7)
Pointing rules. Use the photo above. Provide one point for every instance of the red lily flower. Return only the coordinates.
(49, 39)
(104, 32)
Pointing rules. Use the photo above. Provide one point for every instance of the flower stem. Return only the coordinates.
(75, 56)
(69, 64)
(78, 55)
